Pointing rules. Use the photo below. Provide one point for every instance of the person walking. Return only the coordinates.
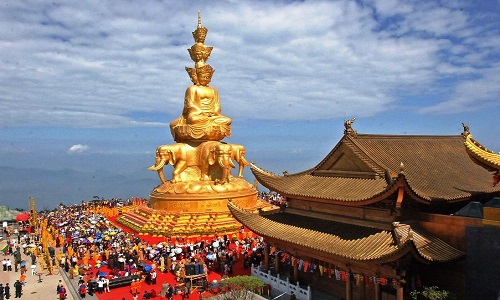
(170, 293)
(7, 291)
(82, 290)
(153, 277)
(19, 289)
(164, 289)
(1, 291)
(62, 293)
(106, 285)
(100, 285)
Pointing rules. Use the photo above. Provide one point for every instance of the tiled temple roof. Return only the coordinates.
(335, 188)
(348, 241)
(433, 167)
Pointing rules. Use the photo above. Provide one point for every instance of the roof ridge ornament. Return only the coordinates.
(348, 128)
(466, 131)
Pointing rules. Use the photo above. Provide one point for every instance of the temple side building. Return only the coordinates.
(374, 219)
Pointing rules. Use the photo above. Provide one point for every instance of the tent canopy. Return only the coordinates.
(23, 217)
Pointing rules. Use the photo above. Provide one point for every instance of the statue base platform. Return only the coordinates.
(203, 196)
(197, 208)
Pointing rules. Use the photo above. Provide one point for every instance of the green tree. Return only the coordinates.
(240, 287)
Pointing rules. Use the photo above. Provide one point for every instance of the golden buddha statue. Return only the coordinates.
(201, 181)
(201, 117)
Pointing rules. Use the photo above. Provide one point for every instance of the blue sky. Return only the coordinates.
(89, 87)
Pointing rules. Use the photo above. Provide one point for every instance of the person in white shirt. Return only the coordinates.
(106, 284)
(9, 265)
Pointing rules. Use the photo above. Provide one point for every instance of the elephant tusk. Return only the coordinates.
(158, 166)
(244, 161)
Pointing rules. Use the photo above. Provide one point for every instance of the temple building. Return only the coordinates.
(374, 219)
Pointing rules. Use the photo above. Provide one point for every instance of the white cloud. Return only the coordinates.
(63, 64)
(79, 148)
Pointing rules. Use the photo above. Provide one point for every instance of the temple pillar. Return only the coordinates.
(362, 289)
(266, 257)
(296, 271)
(377, 290)
(348, 286)
(399, 292)
(276, 263)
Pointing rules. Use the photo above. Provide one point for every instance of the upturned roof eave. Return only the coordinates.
(375, 197)
(260, 174)
(481, 155)
(392, 252)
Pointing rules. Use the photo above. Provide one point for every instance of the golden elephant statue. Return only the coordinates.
(238, 155)
(174, 154)
(211, 152)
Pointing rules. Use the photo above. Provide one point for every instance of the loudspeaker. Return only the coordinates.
(190, 269)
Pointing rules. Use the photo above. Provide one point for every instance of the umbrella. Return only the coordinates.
(147, 268)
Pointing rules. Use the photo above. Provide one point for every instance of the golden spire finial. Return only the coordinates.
(201, 32)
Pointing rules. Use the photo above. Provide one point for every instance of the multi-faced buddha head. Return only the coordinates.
(199, 52)
(204, 74)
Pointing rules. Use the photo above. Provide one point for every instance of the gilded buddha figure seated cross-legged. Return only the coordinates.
(201, 117)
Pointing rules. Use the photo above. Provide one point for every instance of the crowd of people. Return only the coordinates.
(13, 249)
(93, 250)
(273, 198)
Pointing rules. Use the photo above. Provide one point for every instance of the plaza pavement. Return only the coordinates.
(33, 289)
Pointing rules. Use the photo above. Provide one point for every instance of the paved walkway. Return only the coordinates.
(33, 289)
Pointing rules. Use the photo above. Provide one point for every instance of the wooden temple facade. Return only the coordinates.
(373, 219)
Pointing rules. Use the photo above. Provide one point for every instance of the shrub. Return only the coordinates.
(240, 287)
(431, 293)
